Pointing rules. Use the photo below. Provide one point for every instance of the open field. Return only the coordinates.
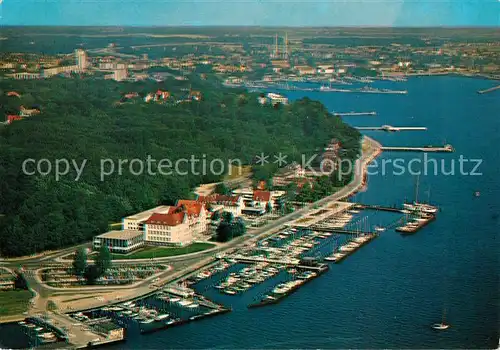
(14, 302)
(161, 252)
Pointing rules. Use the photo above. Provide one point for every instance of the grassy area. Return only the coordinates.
(14, 302)
(161, 252)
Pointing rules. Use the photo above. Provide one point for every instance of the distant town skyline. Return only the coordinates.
(398, 13)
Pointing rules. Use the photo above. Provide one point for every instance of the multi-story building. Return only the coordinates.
(232, 204)
(136, 221)
(49, 72)
(120, 74)
(81, 59)
(177, 227)
(277, 98)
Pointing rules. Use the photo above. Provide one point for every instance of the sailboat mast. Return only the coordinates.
(416, 189)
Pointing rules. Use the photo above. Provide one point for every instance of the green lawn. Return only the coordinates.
(14, 302)
(161, 252)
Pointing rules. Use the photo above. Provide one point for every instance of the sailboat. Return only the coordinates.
(443, 325)
(420, 207)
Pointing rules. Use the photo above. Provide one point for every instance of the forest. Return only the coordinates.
(81, 120)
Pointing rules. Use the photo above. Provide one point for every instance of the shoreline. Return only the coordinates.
(370, 149)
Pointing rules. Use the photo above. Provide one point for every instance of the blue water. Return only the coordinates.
(388, 293)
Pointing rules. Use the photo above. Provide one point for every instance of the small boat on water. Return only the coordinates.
(440, 326)
(379, 228)
(193, 305)
(147, 321)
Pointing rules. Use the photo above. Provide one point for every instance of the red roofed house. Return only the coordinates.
(262, 198)
(13, 93)
(176, 227)
(232, 204)
(11, 118)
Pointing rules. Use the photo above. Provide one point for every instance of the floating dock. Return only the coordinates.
(444, 149)
(391, 128)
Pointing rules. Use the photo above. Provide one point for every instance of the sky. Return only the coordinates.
(399, 13)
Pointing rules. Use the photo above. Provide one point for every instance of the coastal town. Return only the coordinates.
(91, 259)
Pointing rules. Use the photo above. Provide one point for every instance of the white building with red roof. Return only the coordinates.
(179, 226)
(232, 204)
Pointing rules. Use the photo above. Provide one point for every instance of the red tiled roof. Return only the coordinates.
(264, 196)
(11, 118)
(192, 207)
(171, 219)
(219, 198)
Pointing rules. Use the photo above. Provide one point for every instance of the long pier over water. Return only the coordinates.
(392, 128)
(353, 114)
(489, 90)
(446, 149)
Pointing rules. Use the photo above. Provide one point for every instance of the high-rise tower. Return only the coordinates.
(81, 59)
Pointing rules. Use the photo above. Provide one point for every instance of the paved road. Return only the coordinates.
(185, 264)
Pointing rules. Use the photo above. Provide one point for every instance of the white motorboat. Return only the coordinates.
(440, 326)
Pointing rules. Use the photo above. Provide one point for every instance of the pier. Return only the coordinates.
(379, 207)
(489, 90)
(353, 114)
(323, 228)
(392, 128)
(446, 149)
(345, 251)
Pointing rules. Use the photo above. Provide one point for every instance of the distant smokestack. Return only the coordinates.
(277, 52)
(286, 44)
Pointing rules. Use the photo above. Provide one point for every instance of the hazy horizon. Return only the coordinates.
(263, 13)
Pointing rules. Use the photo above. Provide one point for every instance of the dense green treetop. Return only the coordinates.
(80, 120)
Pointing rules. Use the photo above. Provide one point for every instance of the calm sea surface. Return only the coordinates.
(388, 294)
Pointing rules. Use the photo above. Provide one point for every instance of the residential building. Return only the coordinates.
(120, 74)
(11, 118)
(120, 241)
(49, 72)
(195, 95)
(277, 98)
(24, 112)
(305, 70)
(232, 204)
(256, 201)
(136, 221)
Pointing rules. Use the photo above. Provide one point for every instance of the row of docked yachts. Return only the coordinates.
(43, 335)
(349, 247)
(246, 278)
